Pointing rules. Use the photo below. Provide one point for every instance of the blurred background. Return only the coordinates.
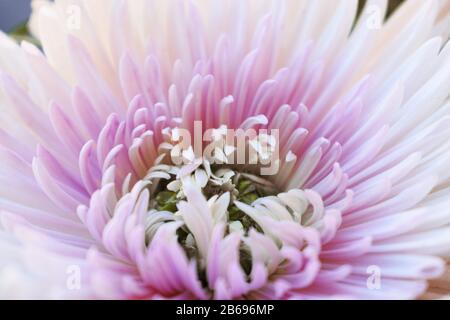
(13, 13)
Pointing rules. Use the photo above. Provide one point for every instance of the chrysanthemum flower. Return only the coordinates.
(96, 204)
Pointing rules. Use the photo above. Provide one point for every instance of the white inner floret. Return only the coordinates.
(249, 195)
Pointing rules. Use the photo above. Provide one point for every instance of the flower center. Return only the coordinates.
(238, 197)
(217, 171)
(214, 182)
(215, 174)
